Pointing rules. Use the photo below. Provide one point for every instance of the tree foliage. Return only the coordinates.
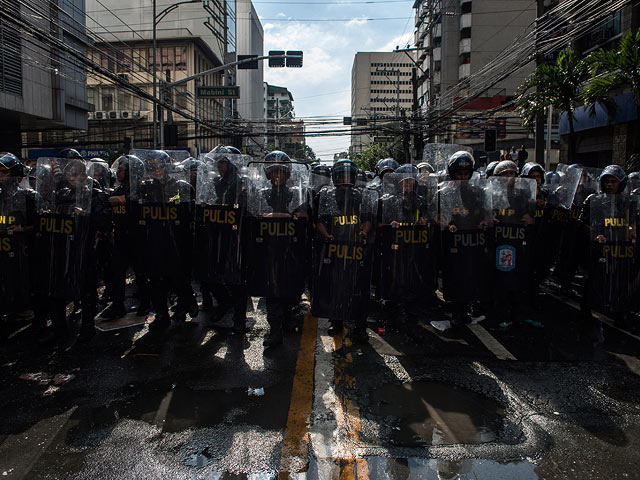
(377, 151)
(558, 85)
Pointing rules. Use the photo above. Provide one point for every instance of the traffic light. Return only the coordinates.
(294, 59)
(247, 65)
(171, 135)
(490, 140)
(276, 62)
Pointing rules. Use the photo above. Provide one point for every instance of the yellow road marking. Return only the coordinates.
(351, 466)
(295, 444)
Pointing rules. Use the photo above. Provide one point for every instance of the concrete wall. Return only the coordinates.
(250, 42)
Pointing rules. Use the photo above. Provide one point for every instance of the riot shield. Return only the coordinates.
(14, 259)
(161, 199)
(277, 230)
(220, 208)
(64, 215)
(437, 154)
(407, 250)
(513, 201)
(342, 253)
(614, 262)
(467, 241)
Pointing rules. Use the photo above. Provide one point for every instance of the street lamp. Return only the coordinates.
(157, 18)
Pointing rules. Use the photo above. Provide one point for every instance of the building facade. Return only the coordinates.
(455, 41)
(281, 128)
(381, 93)
(191, 38)
(42, 77)
(250, 41)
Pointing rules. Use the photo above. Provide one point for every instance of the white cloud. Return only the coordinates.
(357, 21)
(281, 15)
(399, 41)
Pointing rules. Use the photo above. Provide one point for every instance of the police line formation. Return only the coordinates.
(236, 227)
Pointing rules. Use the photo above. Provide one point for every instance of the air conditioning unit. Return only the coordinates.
(126, 114)
(91, 115)
(100, 115)
(114, 115)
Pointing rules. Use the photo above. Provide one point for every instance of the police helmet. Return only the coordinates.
(615, 171)
(10, 162)
(191, 164)
(280, 162)
(322, 170)
(370, 175)
(385, 165)
(491, 168)
(344, 172)
(99, 170)
(407, 171)
(461, 160)
(362, 176)
(425, 167)
(157, 159)
(634, 176)
(530, 167)
(552, 177)
(70, 153)
(233, 150)
(505, 166)
(135, 166)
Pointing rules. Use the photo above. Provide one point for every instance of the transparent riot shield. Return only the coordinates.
(221, 201)
(277, 229)
(407, 251)
(343, 251)
(64, 214)
(513, 201)
(614, 277)
(316, 184)
(437, 154)
(467, 240)
(161, 199)
(14, 259)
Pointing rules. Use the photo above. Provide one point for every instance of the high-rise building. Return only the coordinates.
(42, 77)
(381, 92)
(250, 41)
(282, 127)
(455, 41)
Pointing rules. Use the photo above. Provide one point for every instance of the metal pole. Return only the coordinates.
(547, 158)
(155, 86)
(161, 112)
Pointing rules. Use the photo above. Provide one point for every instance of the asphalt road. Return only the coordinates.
(484, 401)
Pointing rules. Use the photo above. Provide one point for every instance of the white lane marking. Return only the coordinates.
(491, 343)
(599, 316)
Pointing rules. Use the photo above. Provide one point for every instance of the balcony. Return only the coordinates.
(465, 21)
(464, 71)
(464, 46)
(437, 30)
(437, 54)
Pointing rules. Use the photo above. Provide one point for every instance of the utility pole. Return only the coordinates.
(540, 118)
(417, 136)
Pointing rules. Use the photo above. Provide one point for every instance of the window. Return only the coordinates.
(92, 97)
(140, 60)
(124, 61)
(140, 103)
(182, 97)
(107, 98)
(181, 58)
(107, 62)
(124, 100)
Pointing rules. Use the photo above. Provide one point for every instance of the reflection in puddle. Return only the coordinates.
(434, 413)
(422, 468)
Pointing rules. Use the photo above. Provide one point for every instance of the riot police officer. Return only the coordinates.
(125, 251)
(342, 267)
(220, 221)
(16, 228)
(164, 216)
(277, 239)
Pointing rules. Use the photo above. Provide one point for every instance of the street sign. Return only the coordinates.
(218, 92)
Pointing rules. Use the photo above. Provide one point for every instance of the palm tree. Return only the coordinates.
(614, 69)
(558, 85)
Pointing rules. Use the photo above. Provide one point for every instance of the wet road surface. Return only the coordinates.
(484, 401)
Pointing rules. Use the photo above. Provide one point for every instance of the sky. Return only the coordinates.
(322, 87)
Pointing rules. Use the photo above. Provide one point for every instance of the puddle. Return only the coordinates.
(434, 413)
(472, 469)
